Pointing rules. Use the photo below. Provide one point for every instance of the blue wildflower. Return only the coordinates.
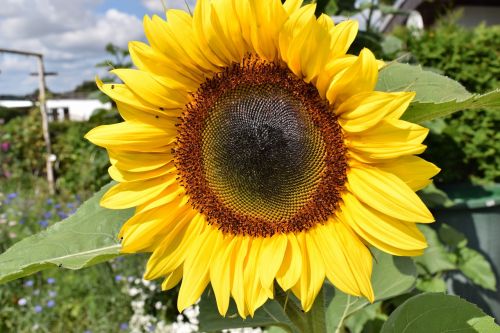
(118, 278)
(43, 223)
(124, 326)
(51, 280)
(47, 215)
(51, 303)
(62, 215)
(12, 195)
(52, 293)
(38, 308)
(57, 206)
(29, 283)
(70, 205)
(50, 201)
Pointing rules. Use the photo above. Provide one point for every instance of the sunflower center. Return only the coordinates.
(259, 152)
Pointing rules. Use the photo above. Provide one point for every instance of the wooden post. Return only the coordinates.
(43, 111)
(45, 124)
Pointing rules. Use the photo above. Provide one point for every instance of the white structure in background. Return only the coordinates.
(15, 104)
(73, 109)
(63, 109)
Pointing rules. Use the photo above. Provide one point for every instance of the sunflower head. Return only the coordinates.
(256, 150)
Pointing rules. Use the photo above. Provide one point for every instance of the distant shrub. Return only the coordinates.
(469, 144)
(80, 165)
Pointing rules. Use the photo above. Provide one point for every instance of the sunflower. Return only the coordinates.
(255, 150)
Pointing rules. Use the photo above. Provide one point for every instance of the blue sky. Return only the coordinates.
(71, 34)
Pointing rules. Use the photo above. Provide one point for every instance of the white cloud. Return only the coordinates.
(156, 6)
(71, 35)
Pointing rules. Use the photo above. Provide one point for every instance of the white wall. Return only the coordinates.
(79, 109)
(16, 104)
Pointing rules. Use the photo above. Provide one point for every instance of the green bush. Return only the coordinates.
(80, 165)
(467, 147)
(6, 114)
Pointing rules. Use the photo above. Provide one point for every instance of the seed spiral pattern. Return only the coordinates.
(259, 152)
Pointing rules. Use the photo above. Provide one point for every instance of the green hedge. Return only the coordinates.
(80, 165)
(467, 144)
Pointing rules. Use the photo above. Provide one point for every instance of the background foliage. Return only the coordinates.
(465, 145)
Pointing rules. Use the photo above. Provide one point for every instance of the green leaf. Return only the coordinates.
(451, 236)
(434, 197)
(476, 268)
(433, 285)
(435, 258)
(86, 238)
(358, 322)
(438, 313)
(391, 276)
(437, 95)
(419, 112)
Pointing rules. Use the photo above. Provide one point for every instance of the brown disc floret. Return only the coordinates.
(259, 152)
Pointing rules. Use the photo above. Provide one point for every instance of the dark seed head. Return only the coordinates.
(260, 152)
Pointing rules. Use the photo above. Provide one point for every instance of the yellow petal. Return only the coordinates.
(384, 232)
(291, 268)
(269, 17)
(294, 28)
(343, 35)
(292, 5)
(173, 249)
(125, 176)
(360, 77)
(182, 32)
(313, 272)
(304, 44)
(387, 193)
(126, 195)
(271, 258)
(133, 137)
(161, 118)
(176, 40)
(138, 161)
(172, 279)
(148, 60)
(220, 270)
(166, 93)
(224, 12)
(332, 68)
(251, 276)
(122, 94)
(146, 230)
(207, 39)
(363, 111)
(391, 138)
(169, 194)
(196, 268)
(414, 171)
(348, 263)
(238, 282)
